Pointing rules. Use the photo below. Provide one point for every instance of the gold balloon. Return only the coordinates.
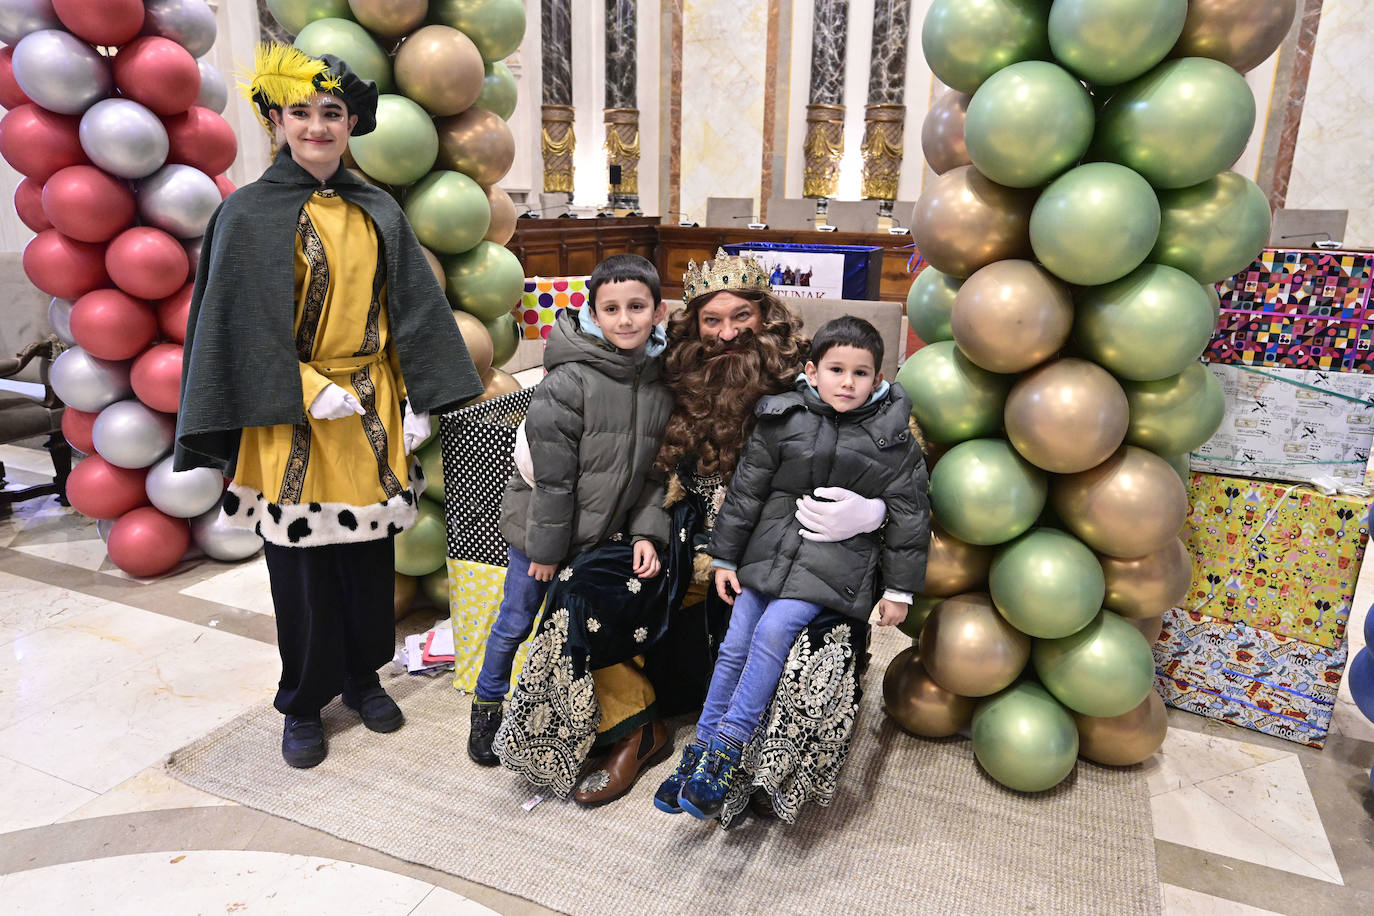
(404, 594)
(477, 339)
(1149, 627)
(942, 132)
(1139, 587)
(389, 18)
(953, 567)
(1126, 739)
(919, 705)
(1067, 416)
(440, 68)
(964, 221)
(502, 216)
(970, 649)
(1241, 33)
(1010, 316)
(435, 265)
(1129, 505)
(498, 383)
(477, 143)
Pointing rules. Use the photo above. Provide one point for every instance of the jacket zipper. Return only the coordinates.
(634, 437)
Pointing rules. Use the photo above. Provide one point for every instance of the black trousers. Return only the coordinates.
(336, 619)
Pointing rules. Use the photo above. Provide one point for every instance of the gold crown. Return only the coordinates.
(725, 272)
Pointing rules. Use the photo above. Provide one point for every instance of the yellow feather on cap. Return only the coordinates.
(282, 76)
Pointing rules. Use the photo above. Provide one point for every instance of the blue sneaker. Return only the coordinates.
(703, 794)
(665, 799)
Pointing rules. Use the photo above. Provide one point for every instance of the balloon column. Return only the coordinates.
(115, 125)
(1081, 211)
(441, 145)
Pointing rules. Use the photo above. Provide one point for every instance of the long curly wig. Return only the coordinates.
(717, 384)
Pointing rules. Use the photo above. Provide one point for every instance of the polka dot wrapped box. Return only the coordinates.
(544, 299)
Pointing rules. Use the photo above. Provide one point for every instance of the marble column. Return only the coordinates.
(825, 111)
(885, 114)
(556, 137)
(622, 103)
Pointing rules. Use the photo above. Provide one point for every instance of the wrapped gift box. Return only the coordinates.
(1274, 556)
(1291, 424)
(1248, 677)
(544, 299)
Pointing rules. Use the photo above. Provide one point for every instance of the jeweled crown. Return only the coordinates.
(724, 272)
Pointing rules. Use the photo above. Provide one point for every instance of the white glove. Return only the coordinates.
(523, 462)
(846, 515)
(415, 428)
(333, 403)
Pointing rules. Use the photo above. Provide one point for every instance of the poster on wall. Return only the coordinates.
(802, 274)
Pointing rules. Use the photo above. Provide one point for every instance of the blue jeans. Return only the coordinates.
(514, 620)
(761, 633)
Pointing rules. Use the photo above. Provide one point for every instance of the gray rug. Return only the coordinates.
(915, 828)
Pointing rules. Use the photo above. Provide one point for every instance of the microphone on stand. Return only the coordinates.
(534, 214)
(753, 223)
(684, 220)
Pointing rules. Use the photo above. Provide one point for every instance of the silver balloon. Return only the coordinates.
(129, 434)
(20, 17)
(220, 540)
(214, 93)
(183, 494)
(61, 72)
(190, 23)
(123, 138)
(103, 526)
(179, 199)
(192, 247)
(88, 383)
(60, 319)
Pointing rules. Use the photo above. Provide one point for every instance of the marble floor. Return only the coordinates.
(105, 675)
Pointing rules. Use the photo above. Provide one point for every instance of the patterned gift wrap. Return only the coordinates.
(544, 300)
(1247, 677)
(477, 444)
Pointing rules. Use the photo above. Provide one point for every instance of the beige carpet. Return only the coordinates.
(915, 828)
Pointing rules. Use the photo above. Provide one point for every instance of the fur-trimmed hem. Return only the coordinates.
(675, 492)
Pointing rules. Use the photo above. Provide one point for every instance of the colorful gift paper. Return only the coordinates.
(544, 300)
(475, 591)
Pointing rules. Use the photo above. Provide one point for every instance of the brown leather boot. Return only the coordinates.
(640, 748)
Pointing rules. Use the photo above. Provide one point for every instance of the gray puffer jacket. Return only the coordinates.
(801, 443)
(594, 426)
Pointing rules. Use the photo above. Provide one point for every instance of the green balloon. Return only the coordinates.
(422, 548)
(435, 588)
(1212, 230)
(404, 146)
(1148, 325)
(1094, 224)
(498, 90)
(1179, 124)
(1174, 415)
(431, 461)
(982, 492)
(1105, 669)
(505, 338)
(1027, 123)
(921, 606)
(1024, 739)
(966, 41)
(294, 15)
(495, 26)
(1047, 583)
(1108, 42)
(486, 281)
(349, 41)
(951, 398)
(1214, 299)
(448, 211)
(929, 303)
(1180, 465)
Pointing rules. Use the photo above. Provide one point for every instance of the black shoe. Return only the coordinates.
(379, 711)
(485, 720)
(302, 741)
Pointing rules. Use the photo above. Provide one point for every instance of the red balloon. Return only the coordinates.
(98, 489)
(88, 204)
(76, 429)
(38, 142)
(144, 542)
(101, 22)
(11, 96)
(159, 73)
(156, 377)
(147, 263)
(64, 267)
(28, 203)
(201, 138)
(174, 312)
(226, 187)
(112, 325)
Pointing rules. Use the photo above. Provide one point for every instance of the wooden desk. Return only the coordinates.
(572, 247)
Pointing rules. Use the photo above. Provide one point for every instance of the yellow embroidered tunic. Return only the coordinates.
(333, 481)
